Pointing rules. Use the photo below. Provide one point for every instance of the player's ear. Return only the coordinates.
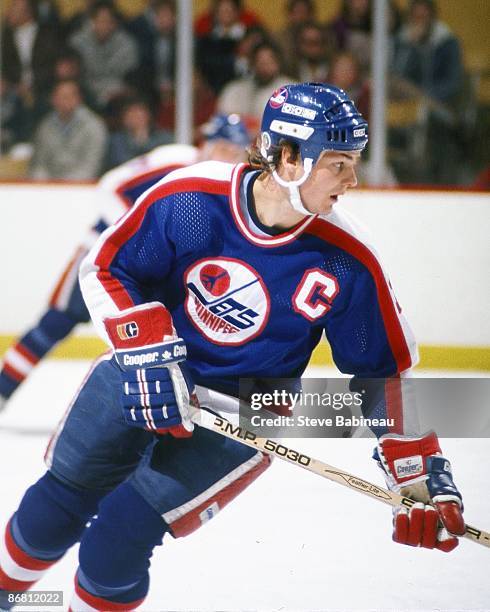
(289, 159)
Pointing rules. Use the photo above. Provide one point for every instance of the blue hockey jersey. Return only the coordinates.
(247, 301)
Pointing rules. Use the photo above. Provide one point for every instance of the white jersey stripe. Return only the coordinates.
(269, 241)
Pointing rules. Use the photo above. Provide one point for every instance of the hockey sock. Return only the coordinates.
(21, 358)
(115, 553)
(50, 519)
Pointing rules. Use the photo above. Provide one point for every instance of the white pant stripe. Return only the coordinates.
(18, 361)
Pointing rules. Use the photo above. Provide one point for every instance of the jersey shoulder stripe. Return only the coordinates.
(138, 181)
(164, 156)
(184, 179)
(344, 231)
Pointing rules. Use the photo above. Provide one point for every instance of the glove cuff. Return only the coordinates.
(155, 355)
(405, 458)
(144, 325)
(440, 482)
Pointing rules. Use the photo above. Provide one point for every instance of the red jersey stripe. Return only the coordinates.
(132, 222)
(141, 178)
(342, 239)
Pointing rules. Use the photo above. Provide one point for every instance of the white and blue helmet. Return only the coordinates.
(318, 117)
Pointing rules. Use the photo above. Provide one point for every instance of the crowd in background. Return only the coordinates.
(93, 91)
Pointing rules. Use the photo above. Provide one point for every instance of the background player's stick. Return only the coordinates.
(271, 447)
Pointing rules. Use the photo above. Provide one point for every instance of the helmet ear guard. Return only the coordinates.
(318, 117)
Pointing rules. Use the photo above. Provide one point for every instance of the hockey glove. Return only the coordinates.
(415, 468)
(155, 390)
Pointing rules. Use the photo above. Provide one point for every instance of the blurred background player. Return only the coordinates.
(224, 138)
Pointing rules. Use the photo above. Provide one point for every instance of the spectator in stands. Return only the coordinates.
(48, 14)
(28, 53)
(70, 142)
(428, 56)
(137, 134)
(253, 37)
(154, 32)
(249, 95)
(207, 21)
(78, 20)
(345, 72)
(217, 49)
(68, 65)
(12, 117)
(108, 52)
(312, 54)
(351, 30)
(298, 12)
(203, 107)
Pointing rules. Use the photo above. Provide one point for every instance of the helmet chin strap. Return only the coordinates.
(292, 186)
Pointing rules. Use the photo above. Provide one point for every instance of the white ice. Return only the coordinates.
(292, 541)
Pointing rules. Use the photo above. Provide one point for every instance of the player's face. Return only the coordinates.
(330, 178)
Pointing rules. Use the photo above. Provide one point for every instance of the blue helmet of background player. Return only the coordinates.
(317, 117)
(227, 127)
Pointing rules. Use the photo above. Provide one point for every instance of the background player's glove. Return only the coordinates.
(155, 390)
(415, 468)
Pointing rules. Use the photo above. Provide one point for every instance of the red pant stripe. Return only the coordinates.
(99, 603)
(27, 354)
(13, 373)
(190, 522)
(22, 558)
(10, 584)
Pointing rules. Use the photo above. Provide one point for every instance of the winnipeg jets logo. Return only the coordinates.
(278, 97)
(215, 279)
(226, 300)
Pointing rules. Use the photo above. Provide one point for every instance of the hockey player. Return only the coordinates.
(220, 271)
(224, 139)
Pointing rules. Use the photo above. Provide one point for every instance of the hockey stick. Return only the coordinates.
(222, 426)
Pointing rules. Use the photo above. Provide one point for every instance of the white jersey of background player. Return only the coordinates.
(224, 138)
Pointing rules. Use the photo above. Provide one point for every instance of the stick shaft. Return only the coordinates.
(220, 425)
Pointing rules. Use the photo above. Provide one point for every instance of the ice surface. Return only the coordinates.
(292, 541)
